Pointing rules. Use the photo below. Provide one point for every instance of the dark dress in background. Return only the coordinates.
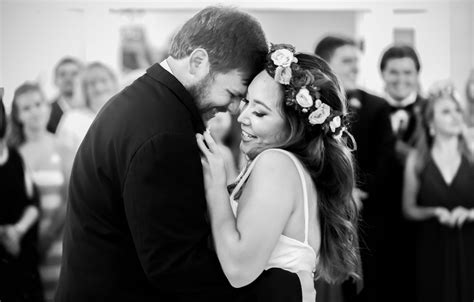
(445, 255)
(19, 277)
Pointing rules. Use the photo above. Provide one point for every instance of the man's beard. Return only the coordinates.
(200, 93)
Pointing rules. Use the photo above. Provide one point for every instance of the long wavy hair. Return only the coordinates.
(330, 163)
(16, 135)
(425, 139)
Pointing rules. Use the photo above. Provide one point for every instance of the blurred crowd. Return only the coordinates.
(415, 168)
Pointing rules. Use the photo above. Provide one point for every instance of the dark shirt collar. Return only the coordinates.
(158, 73)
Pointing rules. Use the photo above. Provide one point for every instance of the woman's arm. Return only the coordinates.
(15, 232)
(411, 186)
(245, 244)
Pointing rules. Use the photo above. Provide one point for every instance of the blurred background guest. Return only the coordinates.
(46, 158)
(400, 68)
(470, 99)
(438, 183)
(370, 125)
(19, 278)
(65, 75)
(96, 86)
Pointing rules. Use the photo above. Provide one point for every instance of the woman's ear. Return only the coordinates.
(199, 65)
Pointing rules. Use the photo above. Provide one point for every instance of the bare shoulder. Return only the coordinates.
(276, 166)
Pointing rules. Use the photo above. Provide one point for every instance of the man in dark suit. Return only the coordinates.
(400, 68)
(370, 125)
(136, 226)
(65, 75)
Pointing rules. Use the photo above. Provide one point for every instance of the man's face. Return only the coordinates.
(401, 77)
(66, 75)
(345, 63)
(219, 92)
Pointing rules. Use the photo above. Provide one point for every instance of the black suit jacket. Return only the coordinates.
(55, 116)
(371, 127)
(136, 226)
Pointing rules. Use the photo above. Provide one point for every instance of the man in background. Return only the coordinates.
(370, 126)
(65, 74)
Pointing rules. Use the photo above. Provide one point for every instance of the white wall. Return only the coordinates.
(34, 35)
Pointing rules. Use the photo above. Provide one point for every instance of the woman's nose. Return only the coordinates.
(242, 118)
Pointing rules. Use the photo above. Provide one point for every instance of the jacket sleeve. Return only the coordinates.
(163, 195)
(384, 148)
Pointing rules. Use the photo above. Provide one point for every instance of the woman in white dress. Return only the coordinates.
(291, 208)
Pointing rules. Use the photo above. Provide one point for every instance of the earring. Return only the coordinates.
(432, 131)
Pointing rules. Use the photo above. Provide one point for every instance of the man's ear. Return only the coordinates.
(199, 65)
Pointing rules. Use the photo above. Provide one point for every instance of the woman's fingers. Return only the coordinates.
(202, 145)
(210, 141)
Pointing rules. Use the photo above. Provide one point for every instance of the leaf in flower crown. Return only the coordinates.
(283, 75)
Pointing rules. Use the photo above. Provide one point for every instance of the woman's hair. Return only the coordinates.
(17, 136)
(424, 141)
(469, 94)
(330, 163)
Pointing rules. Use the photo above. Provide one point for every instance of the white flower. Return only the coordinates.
(283, 57)
(335, 123)
(303, 98)
(319, 115)
(283, 75)
(318, 103)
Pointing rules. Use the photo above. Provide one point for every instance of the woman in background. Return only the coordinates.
(437, 193)
(19, 278)
(97, 84)
(47, 159)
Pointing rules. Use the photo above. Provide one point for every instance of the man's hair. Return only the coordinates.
(232, 39)
(3, 117)
(398, 52)
(328, 45)
(64, 61)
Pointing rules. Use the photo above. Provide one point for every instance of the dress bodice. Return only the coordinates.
(289, 254)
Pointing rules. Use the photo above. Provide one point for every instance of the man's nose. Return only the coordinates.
(233, 107)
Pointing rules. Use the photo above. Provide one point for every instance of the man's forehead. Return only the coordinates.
(237, 81)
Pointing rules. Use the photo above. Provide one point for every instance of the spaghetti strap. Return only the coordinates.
(305, 191)
(246, 172)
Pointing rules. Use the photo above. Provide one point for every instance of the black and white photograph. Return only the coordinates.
(240, 151)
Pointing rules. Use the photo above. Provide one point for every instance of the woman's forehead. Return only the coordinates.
(265, 89)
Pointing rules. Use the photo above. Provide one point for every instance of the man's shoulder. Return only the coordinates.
(373, 99)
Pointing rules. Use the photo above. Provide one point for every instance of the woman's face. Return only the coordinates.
(447, 118)
(33, 110)
(99, 87)
(262, 123)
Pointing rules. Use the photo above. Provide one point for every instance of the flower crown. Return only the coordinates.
(300, 90)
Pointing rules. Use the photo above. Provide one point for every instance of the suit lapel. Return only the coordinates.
(159, 74)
